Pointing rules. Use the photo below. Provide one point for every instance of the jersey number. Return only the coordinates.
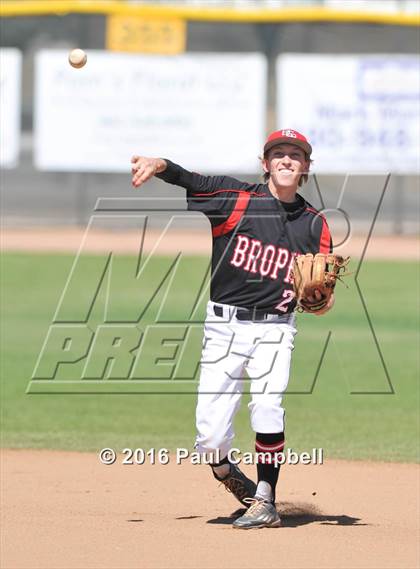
(288, 296)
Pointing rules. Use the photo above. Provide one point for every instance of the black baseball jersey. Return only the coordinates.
(255, 238)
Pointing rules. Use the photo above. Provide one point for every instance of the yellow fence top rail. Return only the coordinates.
(10, 8)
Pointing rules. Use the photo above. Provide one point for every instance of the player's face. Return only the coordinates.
(286, 163)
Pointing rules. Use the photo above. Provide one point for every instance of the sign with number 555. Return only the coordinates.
(145, 35)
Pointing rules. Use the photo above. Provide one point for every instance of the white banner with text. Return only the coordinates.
(205, 111)
(360, 112)
(10, 105)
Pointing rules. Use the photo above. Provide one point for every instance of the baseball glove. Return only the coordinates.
(314, 278)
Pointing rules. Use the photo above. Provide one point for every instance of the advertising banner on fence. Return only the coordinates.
(10, 102)
(361, 112)
(205, 111)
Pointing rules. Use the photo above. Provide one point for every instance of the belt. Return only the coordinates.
(246, 314)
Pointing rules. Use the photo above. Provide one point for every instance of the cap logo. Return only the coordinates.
(289, 133)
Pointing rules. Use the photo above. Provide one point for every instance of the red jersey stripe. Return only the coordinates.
(226, 190)
(324, 242)
(233, 220)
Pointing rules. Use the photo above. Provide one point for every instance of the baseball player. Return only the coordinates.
(257, 229)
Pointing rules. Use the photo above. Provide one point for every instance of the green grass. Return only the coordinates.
(371, 424)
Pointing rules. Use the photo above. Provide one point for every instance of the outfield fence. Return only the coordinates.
(34, 196)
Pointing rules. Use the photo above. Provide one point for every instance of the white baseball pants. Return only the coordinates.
(231, 347)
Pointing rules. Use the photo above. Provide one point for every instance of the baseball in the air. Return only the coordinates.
(77, 58)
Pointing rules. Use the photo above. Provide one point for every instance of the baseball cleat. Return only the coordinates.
(260, 514)
(238, 484)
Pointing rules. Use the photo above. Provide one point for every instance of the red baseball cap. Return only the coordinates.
(287, 136)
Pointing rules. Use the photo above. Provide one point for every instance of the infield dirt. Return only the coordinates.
(67, 510)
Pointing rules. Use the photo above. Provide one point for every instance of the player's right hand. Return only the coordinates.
(143, 168)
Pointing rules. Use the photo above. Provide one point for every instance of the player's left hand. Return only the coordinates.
(315, 297)
(314, 279)
(327, 307)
